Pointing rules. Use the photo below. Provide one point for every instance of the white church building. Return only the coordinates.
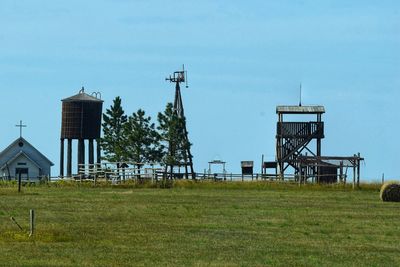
(20, 157)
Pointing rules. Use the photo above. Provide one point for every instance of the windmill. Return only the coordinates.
(179, 77)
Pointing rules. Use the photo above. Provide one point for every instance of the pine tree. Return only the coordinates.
(142, 141)
(171, 129)
(113, 124)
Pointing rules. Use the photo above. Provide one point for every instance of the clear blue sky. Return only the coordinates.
(243, 59)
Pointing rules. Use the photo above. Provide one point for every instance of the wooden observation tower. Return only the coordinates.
(179, 77)
(295, 138)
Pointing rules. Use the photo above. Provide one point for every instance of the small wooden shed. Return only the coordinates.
(247, 167)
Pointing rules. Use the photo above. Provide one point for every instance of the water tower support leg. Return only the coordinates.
(91, 151)
(62, 158)
(98, 150)
(69, 158)
(81, 153)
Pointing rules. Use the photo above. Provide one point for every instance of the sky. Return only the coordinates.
(243, 59)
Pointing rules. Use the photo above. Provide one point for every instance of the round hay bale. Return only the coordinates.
(390, 191)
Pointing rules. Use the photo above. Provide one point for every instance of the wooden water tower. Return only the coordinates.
(294, 138)
(81, 120)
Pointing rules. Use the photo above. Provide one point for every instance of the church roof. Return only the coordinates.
(16, 156)
(82, 97)
(34, 154)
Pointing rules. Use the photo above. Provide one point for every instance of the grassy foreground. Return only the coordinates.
(250, 224)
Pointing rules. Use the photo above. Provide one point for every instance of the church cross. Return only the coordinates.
(20, 128)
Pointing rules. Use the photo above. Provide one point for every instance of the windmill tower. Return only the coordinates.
(179, 77)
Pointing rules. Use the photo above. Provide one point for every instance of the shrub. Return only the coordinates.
(390, 191)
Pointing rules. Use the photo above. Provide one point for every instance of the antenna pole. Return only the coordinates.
(300, 96)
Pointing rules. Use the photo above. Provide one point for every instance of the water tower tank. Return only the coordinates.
(81, 117)
(81, 120)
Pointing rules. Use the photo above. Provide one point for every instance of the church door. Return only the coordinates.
(23, 172)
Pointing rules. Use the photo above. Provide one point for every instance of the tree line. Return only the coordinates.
(135, 138)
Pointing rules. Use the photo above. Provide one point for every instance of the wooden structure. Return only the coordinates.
(269, 165)
(214, 174)
(216, 162)
(331, 168)
(179, 77)
(293, 138)
(247, 167)
(21, 159)
(117, 172)
(81, 120)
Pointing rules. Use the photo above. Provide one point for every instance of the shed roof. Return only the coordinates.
(300, 109)
(247, 164)
(334, 161)
(216, 161)
(82, 97)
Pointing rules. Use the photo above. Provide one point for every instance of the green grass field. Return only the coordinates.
(251, 224)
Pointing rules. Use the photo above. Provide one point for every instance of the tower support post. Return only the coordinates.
(98, 152)
(69, 158)
(81, 154)
(91, 152)
(62, 157)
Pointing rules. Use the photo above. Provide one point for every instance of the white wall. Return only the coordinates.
(33, 171)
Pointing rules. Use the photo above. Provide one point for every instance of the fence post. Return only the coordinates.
(19, 182)
(341, 172)
(300, 175)
(32, 222)
(358, 169)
